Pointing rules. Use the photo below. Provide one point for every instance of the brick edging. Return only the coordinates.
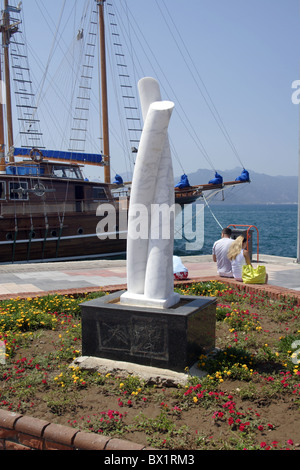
(274, 292)
(20, 432)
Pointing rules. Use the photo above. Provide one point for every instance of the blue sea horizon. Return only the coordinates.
(275, 225)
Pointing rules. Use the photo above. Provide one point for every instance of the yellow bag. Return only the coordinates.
(252, 275)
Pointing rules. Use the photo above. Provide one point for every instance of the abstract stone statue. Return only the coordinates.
(149, 323)
(150, 252)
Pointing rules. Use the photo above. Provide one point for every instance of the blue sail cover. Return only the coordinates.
(79, 157)
(118, 180)
(183, 183)
(218, 179)
(244, 176)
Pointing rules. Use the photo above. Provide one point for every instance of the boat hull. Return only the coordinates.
(77, 240)
(44, 218)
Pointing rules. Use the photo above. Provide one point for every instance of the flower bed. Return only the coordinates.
(248, 399)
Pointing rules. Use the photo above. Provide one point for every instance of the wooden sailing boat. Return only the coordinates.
(47, 208)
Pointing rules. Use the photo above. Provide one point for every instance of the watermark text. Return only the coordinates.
(296, 93)
(153, 222)
(2, 353)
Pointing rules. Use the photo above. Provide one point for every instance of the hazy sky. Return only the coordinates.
(234, 59)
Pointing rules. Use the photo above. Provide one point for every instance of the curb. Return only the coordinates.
(274, 292)
(19, 432)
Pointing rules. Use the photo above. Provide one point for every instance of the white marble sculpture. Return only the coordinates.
(150, 255)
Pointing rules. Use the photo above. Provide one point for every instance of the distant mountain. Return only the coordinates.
(263, 189)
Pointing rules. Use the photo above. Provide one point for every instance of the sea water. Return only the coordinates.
(274, 230)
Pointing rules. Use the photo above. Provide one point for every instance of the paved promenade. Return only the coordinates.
(37, 278)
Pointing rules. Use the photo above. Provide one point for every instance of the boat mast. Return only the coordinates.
(2, 141)
(105, 129)
(298, 230)
(7, 32)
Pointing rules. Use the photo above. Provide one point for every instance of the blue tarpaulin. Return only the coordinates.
(244, 176)
(118, 180)
(183, 183)
(218, 179)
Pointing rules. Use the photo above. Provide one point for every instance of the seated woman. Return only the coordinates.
(238, 256)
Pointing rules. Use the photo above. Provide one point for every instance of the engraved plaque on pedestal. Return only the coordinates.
(171, 338)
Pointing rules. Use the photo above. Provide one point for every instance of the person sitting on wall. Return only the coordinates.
(238, 256)
(219, 253)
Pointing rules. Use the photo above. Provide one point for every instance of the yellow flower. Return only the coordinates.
(195, 399)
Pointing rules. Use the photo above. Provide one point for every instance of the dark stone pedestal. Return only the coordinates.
(170, 338)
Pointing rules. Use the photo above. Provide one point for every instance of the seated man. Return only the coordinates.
(219, 253)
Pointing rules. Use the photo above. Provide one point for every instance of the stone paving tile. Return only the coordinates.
(56, 275)
(82, 272)
(12, 288)
(97, 272)
(284, 273)
(280, 278)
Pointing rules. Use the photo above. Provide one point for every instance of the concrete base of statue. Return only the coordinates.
(141, 300)
(170, 338)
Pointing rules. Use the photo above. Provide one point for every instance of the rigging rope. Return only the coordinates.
(127, 90)
(182, 116)
(207, 205)
(51, 52)
(212, 194)
(209, 102)
(127, 33)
